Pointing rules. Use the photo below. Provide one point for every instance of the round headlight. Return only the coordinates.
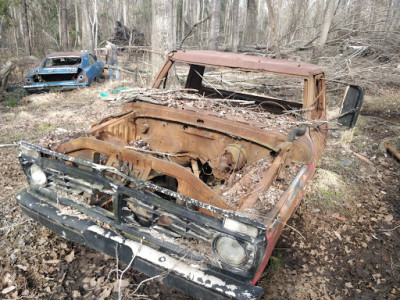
(37, 175)
(230, 251)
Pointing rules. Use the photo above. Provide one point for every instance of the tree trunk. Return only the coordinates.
(226, 27)
(260, 31)
(5, 72)
(251, 22)
(161, 32)
(64, 25)
(174, 22)
(95, 25)
(214, 25)
(8, 67)
(77, 29)
(25, 28)
(326, 25)
(59, 27)
(202, 29)
(272, 22)
(191, 10)
(125, 9)
(87, 38)
(117, 10)
(235, 25)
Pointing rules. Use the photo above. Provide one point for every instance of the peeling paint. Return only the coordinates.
(169, 263)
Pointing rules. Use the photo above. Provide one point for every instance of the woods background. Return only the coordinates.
(274, 27)
(353, 40)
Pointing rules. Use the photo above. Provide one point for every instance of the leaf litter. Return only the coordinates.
(350, 250)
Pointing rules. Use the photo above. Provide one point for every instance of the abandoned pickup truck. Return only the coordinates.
(64, 71)
(193, 189)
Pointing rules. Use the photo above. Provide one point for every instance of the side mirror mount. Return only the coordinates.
(351, 106)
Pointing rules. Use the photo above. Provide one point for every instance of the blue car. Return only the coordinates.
(64, 71)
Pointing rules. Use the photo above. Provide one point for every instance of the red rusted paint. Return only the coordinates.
(242, 61)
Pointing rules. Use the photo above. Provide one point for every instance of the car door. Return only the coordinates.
(97, 67)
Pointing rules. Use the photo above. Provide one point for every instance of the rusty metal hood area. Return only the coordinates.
(242, 61)
(194, 195)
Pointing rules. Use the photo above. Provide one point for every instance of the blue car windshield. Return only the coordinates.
(62, 61)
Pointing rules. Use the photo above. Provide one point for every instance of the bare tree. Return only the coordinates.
(162, 31)
(282, 25)
(191, 10)
(174, 23)
(273, 25)
(251, 22)
(77, 28)
(125, 9)
(328, 16)
(214, 25)
(64, 25)
(117, 10)
(235, 25)
(25, 28)
(95, 24)
(87, 37)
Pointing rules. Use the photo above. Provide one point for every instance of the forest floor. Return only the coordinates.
(349, 246)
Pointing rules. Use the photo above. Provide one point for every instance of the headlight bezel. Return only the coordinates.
(239, 227)
(23, 149)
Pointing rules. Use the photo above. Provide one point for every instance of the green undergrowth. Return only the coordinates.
(275, 260)
(46, 127)
(13, 98)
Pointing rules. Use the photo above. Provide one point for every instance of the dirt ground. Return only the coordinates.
(343, 242)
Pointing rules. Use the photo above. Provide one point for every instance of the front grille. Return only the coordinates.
(137, 209)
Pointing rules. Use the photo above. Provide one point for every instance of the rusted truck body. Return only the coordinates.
(193, 207)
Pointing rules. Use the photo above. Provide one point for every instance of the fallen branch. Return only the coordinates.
(359, 156)
(284, 223)
(191, 30)
(160, 92)
(145, 99)
(148, 279)
(129, 265)
(243, 102)
(163, 274)
(8, 67)
(8, 145)
(387, 230)
(119, 69)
